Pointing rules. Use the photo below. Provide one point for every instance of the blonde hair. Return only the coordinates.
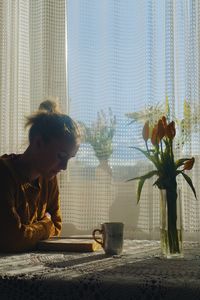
(49, 106)
(49, 123)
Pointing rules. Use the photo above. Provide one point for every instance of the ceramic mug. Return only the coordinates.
(111, 237)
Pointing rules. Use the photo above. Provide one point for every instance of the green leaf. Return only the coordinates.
(139, 189)
(150, 157)
(146, 153)
(142, 180)
(189, 181)
(135, 178)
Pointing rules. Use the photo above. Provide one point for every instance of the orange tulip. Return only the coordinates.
(145, 131)
(161, 130)
(188, 165)
(170, 130)
(154, 137)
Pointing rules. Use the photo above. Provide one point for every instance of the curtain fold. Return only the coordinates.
(33, 63)
(14, 72)
(48, 51)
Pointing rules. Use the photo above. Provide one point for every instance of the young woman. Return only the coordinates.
(29, 195)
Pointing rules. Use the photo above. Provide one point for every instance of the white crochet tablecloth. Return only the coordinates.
(139, 273)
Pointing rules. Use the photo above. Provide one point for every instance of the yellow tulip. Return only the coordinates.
(167, 108)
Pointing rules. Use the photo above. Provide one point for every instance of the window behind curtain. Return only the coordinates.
(126, 55)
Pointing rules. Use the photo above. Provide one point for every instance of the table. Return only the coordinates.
(139, 273)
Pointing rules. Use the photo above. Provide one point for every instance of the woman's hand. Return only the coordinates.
(48, 215)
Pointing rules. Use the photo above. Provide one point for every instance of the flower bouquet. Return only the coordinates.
(185, 125)
(100, 134)
(161, 155)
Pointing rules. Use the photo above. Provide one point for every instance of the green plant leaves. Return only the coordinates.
(160, 153)
(189, 181)
(142, 181)
(149, 156)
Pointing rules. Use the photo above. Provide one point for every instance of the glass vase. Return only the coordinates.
(171, 224)
(103, 169)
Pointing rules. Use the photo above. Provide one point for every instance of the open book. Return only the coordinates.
(69, 244)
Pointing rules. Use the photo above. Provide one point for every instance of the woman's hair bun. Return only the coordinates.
(49, 122)
(49, 106)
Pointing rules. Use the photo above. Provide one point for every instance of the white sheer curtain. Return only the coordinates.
(131, 56)
(32, 60)
(124, 54)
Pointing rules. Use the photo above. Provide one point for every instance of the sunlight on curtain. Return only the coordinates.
(32, 59)
(14, 73)
(48, 51)
(130, 56)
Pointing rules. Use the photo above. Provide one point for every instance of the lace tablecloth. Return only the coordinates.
(139, 273)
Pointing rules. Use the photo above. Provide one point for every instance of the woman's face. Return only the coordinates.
(54, 155)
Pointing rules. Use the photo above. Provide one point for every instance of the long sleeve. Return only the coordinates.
(16, 236)
(53, 206)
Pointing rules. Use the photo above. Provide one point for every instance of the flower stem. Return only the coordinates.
(171, 194)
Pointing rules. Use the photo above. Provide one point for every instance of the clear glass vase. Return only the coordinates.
(171, 224)
(104, 169)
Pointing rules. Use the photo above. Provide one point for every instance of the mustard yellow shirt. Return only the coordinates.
(22, 208)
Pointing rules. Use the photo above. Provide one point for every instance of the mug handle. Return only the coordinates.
(95, 238)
